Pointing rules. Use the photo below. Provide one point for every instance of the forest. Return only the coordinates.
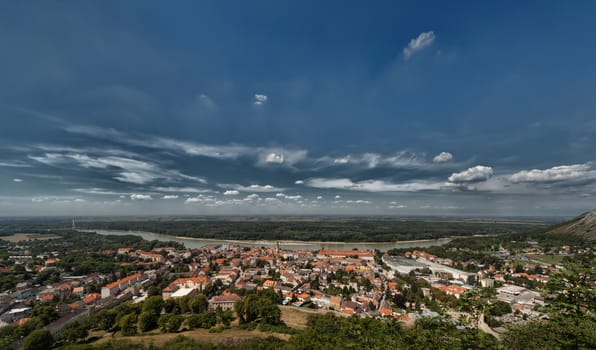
(305, 229)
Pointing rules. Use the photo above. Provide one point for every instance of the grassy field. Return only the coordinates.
(548, 259)
(292, 316)
(228, 336)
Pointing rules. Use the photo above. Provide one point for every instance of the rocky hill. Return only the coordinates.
(583, 225)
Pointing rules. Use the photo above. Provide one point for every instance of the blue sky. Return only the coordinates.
(268, 107)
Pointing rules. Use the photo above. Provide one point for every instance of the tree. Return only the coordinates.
(103, 319)
(205, 320)
(183, 304)
(39, 339)
(128, 324)
(499, 308)
(74, 332)
(169, 323)
(198, 304)
(170, 306)
(147, 321)
(153, 305)
(260, 306)
(153, 291)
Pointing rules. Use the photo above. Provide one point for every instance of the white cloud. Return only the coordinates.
(260, 99)
(299, 182)
(135, 178)
(263, 155)
(17, 164)
(338, 197)
(252, 197)
(182, 189)
(17, 180)
(443, 157)
(403, 159)
(210, 200)
(288, 157)
(253, 188)
(423, 40)
(359, 201)
(557, 173)
(131, 170)
(231, 193)
(140, 197)
(273, 157)
(373, 185)
(319, 197)
(474, 174)
(170, 196)
(342, 160)
(206, 103)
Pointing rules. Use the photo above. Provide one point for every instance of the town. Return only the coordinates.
(406, 285)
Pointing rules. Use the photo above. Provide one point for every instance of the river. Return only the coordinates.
(289, 245)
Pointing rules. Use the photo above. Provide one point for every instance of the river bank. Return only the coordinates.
(192, 242)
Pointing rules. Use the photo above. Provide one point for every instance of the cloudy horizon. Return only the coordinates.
(205, 109)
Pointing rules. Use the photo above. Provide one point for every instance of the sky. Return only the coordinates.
(297, 108)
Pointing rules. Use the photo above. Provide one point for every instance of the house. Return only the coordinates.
(154, 257)
(197, 283)
(225, 302)
(91, 298)
(344, 253)
(349, 307)
(335, 302)
(116, 287)
(455, 290)
(269, 284)
(303, 297)
(15, 314)
(385, 309)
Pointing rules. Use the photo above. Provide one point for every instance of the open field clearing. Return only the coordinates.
(228, 336)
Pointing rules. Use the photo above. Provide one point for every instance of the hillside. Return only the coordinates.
(583, 225)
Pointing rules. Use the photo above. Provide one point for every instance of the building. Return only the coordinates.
(339, 253)
(402, 265)
(116, 287)
(225, 302)
(184, 292)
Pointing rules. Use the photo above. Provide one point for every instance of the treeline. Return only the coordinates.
(89, 241)
(353, 230)
(329, 332)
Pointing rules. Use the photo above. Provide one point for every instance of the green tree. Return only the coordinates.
(128, 324)
(169, 323)
(183, 304)
(147, 321)
(198, 304)
(153, 291)
(170, 306)
(103, 319)
(153, 305)
(39, 339)
(74, 332)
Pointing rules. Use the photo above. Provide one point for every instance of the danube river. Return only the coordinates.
(290, 245)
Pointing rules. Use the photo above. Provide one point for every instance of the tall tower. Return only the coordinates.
(73, 225)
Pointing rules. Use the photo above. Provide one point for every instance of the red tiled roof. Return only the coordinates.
(122, 280)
